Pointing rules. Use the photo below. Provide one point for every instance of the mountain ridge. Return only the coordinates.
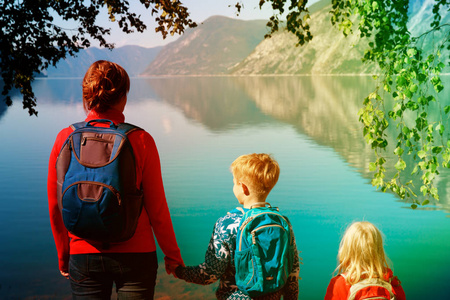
(134, 59)
(227, 46)
(209, 49)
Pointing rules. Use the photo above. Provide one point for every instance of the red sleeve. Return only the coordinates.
(60, 233)
(155, 200)
(338, 289)
(398, 289)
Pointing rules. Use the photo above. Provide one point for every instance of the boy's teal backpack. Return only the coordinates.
(265, 251)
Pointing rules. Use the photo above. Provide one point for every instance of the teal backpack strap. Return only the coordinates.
(237, 210)
(240, 209)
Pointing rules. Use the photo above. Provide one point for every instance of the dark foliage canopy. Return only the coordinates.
(30, 41)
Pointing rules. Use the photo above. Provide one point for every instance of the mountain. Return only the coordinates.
(329, 52)
(222, 45)
(213, 47)
(134, 59)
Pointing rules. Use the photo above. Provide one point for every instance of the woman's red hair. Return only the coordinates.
(104, 85)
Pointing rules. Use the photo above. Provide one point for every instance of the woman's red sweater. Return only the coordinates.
(154, 220)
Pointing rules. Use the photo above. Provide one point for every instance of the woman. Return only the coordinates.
(132, 264)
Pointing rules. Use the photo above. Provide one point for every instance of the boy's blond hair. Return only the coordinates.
(259, 171)
(361, 254)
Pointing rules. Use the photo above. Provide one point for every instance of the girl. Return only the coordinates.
(132, 264)
(361, 256)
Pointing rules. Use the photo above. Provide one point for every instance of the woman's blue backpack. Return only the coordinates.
(265, 251)
(96, 176)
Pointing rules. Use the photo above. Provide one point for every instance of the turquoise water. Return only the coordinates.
(200, 126)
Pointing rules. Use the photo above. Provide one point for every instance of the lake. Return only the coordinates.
(200, 125)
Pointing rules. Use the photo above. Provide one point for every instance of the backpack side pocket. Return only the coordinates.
(247, 275)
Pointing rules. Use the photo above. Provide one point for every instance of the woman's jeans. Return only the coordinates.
(92, 275)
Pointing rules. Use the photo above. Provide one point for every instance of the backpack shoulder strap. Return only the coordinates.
(240, 209)
(369, 282)
(127, 128)
(237, 210)
(78, 125)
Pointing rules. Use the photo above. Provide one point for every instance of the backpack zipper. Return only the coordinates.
(112, 189)
(263, 213)
(263, 227)
(250, 219)
(84, 139)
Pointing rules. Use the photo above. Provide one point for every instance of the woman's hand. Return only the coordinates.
(170, 268)
(65, 274)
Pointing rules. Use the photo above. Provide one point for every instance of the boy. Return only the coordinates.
(254, 176)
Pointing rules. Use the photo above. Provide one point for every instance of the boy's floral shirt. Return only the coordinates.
(219, 264)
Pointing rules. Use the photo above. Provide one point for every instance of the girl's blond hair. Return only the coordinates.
(361, 254)
(258, 170)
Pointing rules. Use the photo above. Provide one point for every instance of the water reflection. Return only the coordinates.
(324, 108)
(216, 102)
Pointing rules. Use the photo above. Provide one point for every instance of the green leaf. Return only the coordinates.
(372, 167)
(413, 206)
(377, 182)
(433, 167)
(438, 87)
(374, 5)
(421, 123)
(421, 154)
(422, 100)
(440, 128)
(429, 176)
(436, 150)
(434, 193)
(408, 93)
(447, 109)
(425, 202)
(398, 151)
(421, 77)
(413, 88)
(422, 165)
(446, 157)
(424, 190)
(400, 165)
(411, 52)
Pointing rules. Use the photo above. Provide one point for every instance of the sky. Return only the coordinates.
(200, 10)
